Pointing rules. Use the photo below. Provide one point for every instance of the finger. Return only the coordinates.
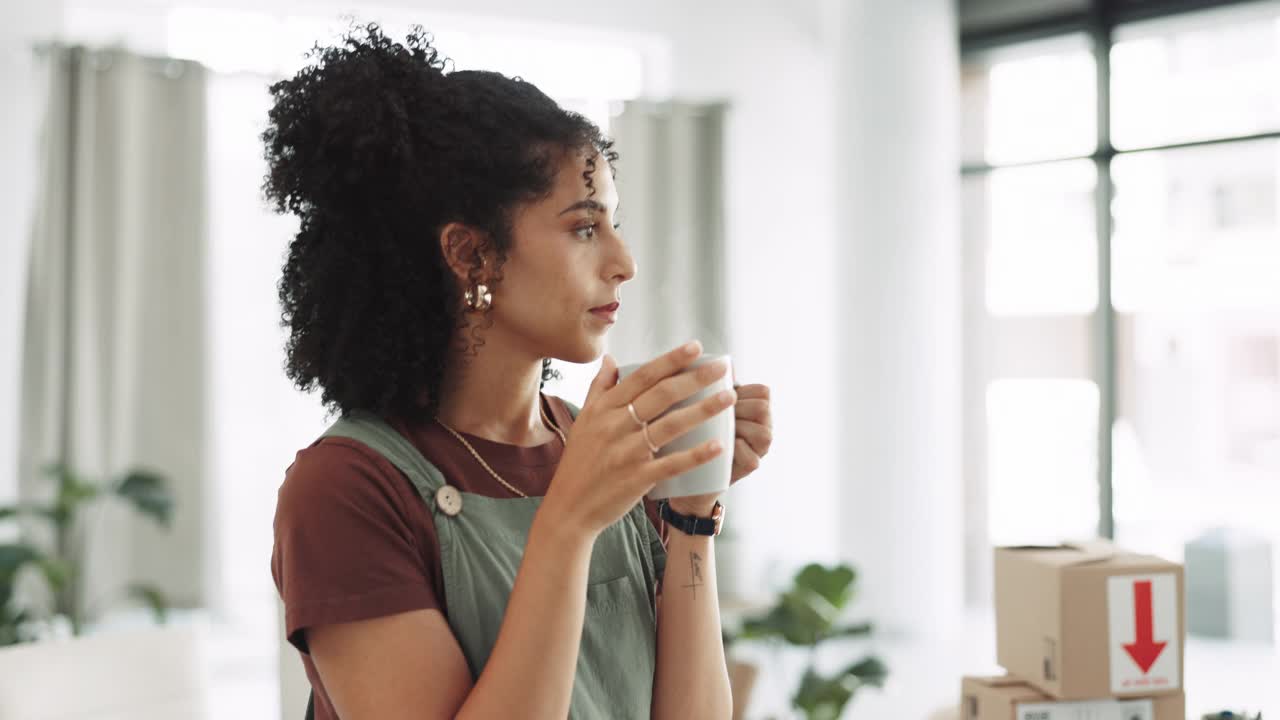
(606, 378)
(665, 468)
(678, 422)
(653, 372)
(753, 392)
(754, 410)
(758, 437)
(655, 401)
(744, 458)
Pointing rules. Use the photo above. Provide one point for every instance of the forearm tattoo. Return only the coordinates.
(695, 573)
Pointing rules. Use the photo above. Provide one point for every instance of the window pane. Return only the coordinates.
(1197, 76)
(1197, 438)
(1042, 250)
(1028, 102)
(1197, 228)
(1042, 460)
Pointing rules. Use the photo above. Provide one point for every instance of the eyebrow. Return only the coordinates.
(584, 205)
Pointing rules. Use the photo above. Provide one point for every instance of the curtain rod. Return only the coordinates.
(169, 66)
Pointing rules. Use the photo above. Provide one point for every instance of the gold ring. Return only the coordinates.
(631, 408)
(645, 430)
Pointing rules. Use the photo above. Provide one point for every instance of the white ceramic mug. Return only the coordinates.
(715, 475)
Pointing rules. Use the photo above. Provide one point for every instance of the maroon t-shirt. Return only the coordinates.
(354, 540)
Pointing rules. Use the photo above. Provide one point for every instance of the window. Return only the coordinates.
(1124, 299)
(1031, 102)
(1197, 77)
(1041, 246)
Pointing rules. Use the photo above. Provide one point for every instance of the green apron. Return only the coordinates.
(480, 551)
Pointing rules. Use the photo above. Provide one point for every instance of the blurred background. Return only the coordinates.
(1011, 267)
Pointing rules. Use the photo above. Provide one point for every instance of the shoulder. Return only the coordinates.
(336, 475)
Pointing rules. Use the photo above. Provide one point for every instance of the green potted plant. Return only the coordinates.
(806, 615)
(60, 563)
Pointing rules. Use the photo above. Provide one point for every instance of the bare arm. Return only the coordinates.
(692, 677)
(409, 666)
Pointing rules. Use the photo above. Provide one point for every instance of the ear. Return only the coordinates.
(464, 250)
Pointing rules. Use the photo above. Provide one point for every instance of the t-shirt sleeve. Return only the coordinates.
(345, 549)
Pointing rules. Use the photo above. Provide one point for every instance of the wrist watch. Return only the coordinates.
(691, 524)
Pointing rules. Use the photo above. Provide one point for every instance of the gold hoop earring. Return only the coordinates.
(478, 298)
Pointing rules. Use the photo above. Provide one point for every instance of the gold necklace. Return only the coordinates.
(479, 459)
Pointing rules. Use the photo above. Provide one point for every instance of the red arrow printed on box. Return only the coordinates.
(1144, 650)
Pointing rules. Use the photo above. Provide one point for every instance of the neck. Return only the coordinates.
(494, 395)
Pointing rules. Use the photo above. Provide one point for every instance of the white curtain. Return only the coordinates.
(113, 365)
(670, 181)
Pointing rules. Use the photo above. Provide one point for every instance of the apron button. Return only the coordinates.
(449, 500)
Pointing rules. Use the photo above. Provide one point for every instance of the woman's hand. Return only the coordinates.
(607, 465)
(753, 423)
(753, 431)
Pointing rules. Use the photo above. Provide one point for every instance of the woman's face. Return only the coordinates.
(566, 258)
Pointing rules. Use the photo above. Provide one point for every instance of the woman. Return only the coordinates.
(459, 544)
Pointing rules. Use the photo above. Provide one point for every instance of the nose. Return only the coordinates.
(622, 266)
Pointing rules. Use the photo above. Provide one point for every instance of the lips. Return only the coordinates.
(612, 307)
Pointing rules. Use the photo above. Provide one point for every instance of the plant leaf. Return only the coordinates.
(10, 620)
(149, 493)
(848, 631)
(75, 492)
(56, 572)
(72, 492)
(45, 511)
(825, 698)
(810, 616)
(153, 598)
(834, 584)
(12, 557)
(55, 469)
(801, 617)
(869, 671)
(822, 698)
(790, 620)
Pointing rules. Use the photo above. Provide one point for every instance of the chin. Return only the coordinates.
(586, 350)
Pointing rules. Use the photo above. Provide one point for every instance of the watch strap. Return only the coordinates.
(692, 524)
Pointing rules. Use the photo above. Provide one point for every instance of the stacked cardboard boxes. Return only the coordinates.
(1085, 631)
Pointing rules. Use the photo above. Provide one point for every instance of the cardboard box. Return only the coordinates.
(1010, 698)
(1090, 620)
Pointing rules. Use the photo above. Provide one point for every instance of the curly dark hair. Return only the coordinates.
(375, 147)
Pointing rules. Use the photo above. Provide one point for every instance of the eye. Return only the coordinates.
(588, 232)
